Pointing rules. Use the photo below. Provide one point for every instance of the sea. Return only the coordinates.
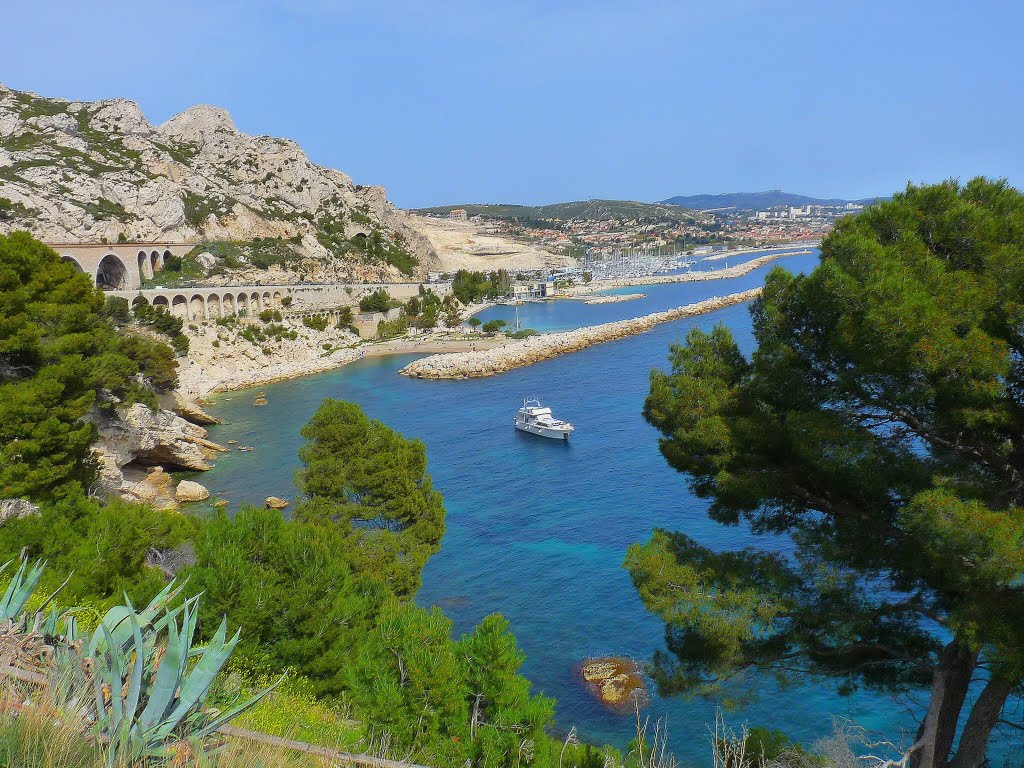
(537, 529)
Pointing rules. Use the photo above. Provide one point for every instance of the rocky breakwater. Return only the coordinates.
(469, 365)
(614, 298)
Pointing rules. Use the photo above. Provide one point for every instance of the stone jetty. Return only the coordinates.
(614, 298)
(471, 365)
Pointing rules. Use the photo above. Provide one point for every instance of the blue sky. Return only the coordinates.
(530, 101)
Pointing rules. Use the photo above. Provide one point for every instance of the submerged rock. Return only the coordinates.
(615, 681)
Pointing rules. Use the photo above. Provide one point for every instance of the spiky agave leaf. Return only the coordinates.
(168, 678)
(197, 685)
(19, 591)
(226, 717)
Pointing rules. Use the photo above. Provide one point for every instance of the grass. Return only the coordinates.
(39, 734)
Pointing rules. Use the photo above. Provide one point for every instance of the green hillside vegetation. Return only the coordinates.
(594, 210)
(60, 355)
(879, 425)
(326, 596)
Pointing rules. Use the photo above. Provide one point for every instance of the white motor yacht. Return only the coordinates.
(537, 420)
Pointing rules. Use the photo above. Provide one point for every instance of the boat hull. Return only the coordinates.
(535, 429)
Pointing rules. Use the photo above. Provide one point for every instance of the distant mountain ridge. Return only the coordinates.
(593, 210)
(756, 200)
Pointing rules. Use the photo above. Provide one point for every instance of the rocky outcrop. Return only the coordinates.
(148, 485)
(134, 437)
(84, 171)
(274, 502)
(11, 509)
(190, 411)
(188, 491)
(156, 437)
(469, 365)
(615, 681)
(220, 359)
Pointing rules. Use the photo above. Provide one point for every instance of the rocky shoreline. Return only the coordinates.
(470, 365)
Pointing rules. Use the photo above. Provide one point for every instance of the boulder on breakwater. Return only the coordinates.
(470, 365)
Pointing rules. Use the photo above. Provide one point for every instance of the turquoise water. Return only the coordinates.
(538, 529)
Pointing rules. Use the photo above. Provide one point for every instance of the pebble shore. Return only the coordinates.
(471, 365)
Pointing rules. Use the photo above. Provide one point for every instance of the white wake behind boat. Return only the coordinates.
(537, 420)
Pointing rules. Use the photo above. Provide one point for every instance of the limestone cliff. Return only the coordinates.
(85, 171)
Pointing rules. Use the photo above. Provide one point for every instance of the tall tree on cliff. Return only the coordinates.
(880, 426)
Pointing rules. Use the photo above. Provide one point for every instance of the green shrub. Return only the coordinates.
(59, 353)
(316, 322)
(377, 301)
(523, 333)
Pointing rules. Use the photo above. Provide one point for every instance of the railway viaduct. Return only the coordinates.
(120, 266)
(209, 303)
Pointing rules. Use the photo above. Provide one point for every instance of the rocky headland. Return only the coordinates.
(516, 354)
(221, 358)
(73, 171)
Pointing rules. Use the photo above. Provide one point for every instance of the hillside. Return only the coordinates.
(85, 171)
(753, 200)
(591, 210)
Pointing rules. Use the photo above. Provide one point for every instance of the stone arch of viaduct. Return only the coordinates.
(122, 266)
(210, 303)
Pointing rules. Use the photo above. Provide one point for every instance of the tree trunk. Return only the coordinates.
(950, 682)
(970, 752)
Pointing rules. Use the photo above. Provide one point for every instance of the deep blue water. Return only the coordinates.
(538, 529)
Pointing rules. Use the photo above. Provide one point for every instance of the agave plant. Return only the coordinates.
(19, 591)
(149, 682)
(148, 695)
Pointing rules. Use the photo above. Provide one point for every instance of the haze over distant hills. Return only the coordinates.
(681, 208)
(756, 200)
(594, 210)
